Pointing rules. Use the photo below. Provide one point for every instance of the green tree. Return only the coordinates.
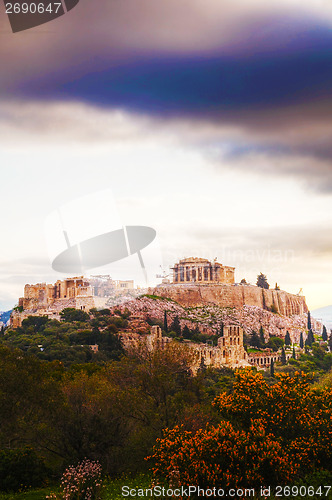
(34, 324)
(272, 368)
(90, 422)
(155, 390)
(176, 327)
(262, 281)
(324, 333)
(275, 343)
(309, 321)
(187, 333)
(111, 344)
(165, 322)
(301, 341)
(330, 341)
(294, 354)
(283, 357)
(261, 336)
(310, 338)
(29, 392)
(70, 314)
(255, 340)
(287, 338)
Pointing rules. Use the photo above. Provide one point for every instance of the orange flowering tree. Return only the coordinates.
(297, 415)
(268, 435)
(222, 456)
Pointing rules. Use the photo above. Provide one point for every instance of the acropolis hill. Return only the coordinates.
(197, 282)
(202, 296)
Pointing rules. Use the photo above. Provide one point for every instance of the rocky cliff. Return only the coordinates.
(236, 296)
(209, 317)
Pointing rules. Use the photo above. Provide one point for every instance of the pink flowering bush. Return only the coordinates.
(82, 482)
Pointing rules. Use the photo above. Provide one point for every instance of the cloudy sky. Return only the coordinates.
(208, 120)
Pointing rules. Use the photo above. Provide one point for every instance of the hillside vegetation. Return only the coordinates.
(61, 403)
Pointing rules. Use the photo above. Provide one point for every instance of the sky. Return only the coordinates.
(209, 121)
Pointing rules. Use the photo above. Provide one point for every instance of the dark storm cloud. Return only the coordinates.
(200, 86)
(239, 82)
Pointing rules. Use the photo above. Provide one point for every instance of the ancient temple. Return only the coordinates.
(197, 270)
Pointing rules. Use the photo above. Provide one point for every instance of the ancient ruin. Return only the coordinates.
(228, 353)
(198, 281)
(42, 295)
(44, 299)
(49, 300)
(195, 269)
(262, 359)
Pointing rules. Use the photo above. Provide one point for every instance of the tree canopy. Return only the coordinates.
(262, 281)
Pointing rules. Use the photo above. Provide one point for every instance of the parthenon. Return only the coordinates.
(198, 270)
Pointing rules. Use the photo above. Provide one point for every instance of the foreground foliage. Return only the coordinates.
(268, 434)
(60, 403)
(111, 414)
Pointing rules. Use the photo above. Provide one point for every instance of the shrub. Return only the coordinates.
(222, 455)
(269, 434)
(82, 482)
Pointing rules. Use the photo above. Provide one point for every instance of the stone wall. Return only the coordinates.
(237, 296)
(228, 353)
(263, 359)
(17, 317)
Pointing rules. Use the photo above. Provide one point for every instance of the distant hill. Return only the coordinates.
(324, 314)
(4, 316)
